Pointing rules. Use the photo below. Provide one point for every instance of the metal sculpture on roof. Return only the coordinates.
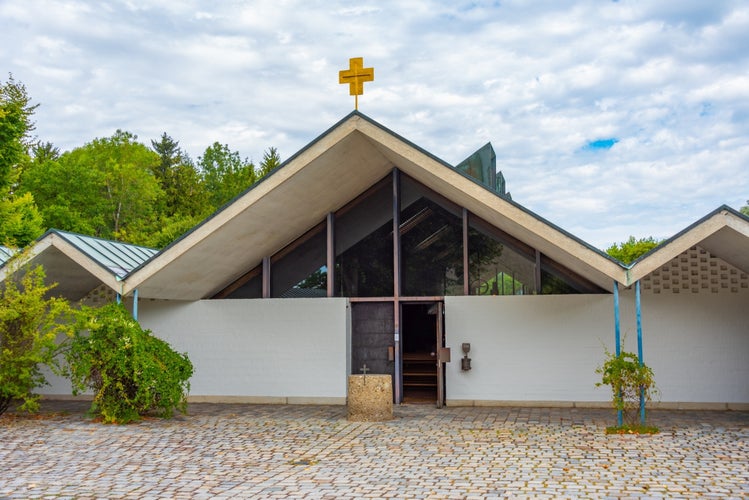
(355, 77)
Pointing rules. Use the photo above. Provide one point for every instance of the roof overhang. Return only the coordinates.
(724, 233)
(74, 272)
(321, 178)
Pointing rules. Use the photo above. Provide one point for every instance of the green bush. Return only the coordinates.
(627, 377)
(30, 323)
(131, 372)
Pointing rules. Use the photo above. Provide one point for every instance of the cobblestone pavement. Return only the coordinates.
(251, 451)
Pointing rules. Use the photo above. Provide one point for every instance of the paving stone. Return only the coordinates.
(246, 451)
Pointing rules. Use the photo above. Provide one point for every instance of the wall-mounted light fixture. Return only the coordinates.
(465, 363)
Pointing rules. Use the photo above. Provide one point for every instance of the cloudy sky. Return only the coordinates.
(609, 118)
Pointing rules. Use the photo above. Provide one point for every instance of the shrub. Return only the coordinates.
(627, 377)
(130, 371)
(30, 323)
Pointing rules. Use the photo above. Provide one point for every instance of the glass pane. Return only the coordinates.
(364, 246)
(552, 283)
(496, 268)
(299, 270)
(431, 244)
(252, 289)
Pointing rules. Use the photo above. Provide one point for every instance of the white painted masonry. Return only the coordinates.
(528, 348)
(262, 350)
(696, 343)
(545, 349)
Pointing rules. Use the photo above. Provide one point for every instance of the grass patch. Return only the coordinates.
(632, 429)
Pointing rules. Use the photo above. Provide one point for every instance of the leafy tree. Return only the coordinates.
(21, 221)
(129, 188)
(632, 249)
(68, 191)
(30, 323)
(130, 371)
(745, 208)
(164, 231)
(225, 174)
(106, 188)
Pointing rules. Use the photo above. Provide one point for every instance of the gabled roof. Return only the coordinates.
(332, 170)
(724, 233)
(78, 264)
(324, 176)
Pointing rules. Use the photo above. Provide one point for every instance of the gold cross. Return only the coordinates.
(355, 76)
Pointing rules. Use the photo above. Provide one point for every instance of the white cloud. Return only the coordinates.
(668, 80)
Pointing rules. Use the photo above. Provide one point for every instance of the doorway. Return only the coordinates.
(423, 336)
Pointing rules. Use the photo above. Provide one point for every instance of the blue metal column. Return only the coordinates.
(135, 304)
(617, 337)
(639, 347)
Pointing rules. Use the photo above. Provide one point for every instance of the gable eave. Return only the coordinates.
(724, 233)
(268, 215)
(336, 167)
(73, 271)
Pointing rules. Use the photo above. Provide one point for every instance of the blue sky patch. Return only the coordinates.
(599, 144)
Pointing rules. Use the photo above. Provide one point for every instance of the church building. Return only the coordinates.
(365, 253)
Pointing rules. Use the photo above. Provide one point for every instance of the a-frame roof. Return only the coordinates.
(78, 263)
(324, 176)
(724, 233)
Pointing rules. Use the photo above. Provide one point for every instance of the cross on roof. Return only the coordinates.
(355, 76)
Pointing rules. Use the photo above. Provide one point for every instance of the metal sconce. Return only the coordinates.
(465, 362)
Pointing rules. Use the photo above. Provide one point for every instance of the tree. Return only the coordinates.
(225, 174)
(15, 129)
(271, 160)
(179, 179)
(68, 191)
(129, 187)
(630, 250)
(105, 188)
(20, 221)
(745, 208)
(30, 323)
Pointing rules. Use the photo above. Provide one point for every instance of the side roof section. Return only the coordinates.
(5, 254)
(724, 233)
(78, 263)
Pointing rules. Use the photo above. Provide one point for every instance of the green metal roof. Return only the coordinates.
(117, 257)
(5, 254)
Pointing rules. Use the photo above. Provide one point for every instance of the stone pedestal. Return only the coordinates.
(370, 398)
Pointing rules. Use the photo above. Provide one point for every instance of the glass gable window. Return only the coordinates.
(431, 254)
(250, 286)
(431, 244)
(364, 245)
(495, 268)
(299, 270)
